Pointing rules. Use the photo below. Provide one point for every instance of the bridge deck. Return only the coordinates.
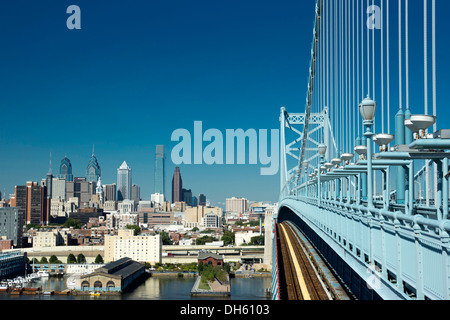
(300, 279)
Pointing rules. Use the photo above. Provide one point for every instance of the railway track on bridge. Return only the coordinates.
(299, 275)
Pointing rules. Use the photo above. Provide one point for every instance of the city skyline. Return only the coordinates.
(163, 65)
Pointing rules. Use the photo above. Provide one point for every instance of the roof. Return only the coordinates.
(206, 255)
(121, 268)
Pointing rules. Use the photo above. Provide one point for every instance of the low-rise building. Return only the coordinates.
(138, 248)
(112, 277)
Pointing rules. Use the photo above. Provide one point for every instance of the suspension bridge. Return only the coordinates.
(363, 207)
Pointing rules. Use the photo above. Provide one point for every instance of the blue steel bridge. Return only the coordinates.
(363, 207)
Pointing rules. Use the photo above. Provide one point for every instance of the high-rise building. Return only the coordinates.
(135, 193)
(237, 205)
(110, 191)
(201, 199)
(187, 196)
(124, 182)
(81, 189)
(93, 171)
(160, 173)
(13, 219)
(32, 198)
(177, 186)
(65, 169)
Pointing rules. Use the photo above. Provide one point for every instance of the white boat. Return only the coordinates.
(43, 273)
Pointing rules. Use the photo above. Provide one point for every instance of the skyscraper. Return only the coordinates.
(160, 173)
(201, 199)
(65, 169)
(177, 186)
(124, 182)
(135, 193)
(93, 171)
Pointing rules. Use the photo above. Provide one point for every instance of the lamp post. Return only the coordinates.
(368, 107)
(322, 151)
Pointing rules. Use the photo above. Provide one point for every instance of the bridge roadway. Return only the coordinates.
(303, 274)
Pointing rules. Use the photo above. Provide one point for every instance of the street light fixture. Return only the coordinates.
(368, 108)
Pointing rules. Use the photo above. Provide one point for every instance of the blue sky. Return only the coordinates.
(138, 70)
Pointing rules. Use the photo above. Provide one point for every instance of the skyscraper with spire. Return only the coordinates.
(93, 171)
(160, 175)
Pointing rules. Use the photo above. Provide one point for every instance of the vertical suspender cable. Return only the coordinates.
(368, 57)
(357, 63)
(388, 116)
(425, 56)
(373, 57)
(400, 54)
(382, 65)
(407, 52)
(433, 37)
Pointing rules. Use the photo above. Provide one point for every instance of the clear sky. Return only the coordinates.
(138, 70)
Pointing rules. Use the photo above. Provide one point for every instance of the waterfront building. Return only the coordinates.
(112, 277)
(12, 221)
(93, 171)
(209, 258)
(138, 248)
(124, 182)
(177, 186)
(65, 169)
(12, 264)
(160, 173)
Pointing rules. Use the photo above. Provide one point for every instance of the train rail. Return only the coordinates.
(298, 272)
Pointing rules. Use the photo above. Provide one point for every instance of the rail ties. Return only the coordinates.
(300, 277)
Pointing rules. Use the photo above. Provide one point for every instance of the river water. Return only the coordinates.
(153, 288)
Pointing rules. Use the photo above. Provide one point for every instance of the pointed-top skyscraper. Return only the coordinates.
(65, 169)
(123, 182)
(177, 186)
(93, 171)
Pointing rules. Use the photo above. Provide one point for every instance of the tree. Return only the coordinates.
(53, 259)
(228, 237)
(71, 259)
(137, 229)
(81, 258)
(44, 260)
(201, 241)
(98, 259)
(258, 240)
(165, 238)
(75, 223)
